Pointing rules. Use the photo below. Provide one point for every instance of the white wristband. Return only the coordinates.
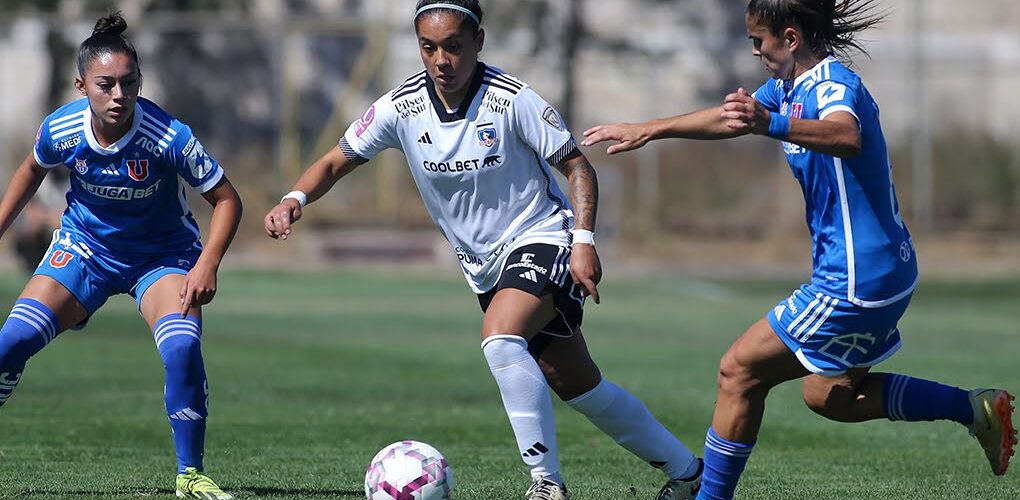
(301, 198)
(584, 236)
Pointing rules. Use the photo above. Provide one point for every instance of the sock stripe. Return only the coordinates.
(727, 448)
(899, 386)
(176, 333)
(172, 326)
(34, 318)
(901, 396)
(164, 325)
(44, 316)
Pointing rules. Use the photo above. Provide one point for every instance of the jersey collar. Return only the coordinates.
(461, 112)
(114, 148)
(807, 74)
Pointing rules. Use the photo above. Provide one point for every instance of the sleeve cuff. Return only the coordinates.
(212, 182)
(565, 151)
(350, 153)
(839, 107)
(42, 163)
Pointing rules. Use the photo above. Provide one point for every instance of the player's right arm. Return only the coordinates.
(707, 124)
(23, 185)
(374, 132)
(314, 183)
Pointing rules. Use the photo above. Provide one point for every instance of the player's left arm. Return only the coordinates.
(200, 286)
(837, 134)
(585, 267)
(201, 171)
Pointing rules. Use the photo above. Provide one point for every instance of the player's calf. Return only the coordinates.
(846, 398)
(179, 343)
(29, 327)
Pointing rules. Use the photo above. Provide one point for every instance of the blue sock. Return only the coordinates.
(914, 400)
(30, 326)
(724, 462)
(186, 391)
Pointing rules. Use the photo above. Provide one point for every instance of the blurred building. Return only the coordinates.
(271, 84)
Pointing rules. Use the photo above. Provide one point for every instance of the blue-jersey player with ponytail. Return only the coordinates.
(832, 331)
(127, 229)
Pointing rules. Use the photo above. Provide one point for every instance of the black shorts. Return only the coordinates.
(543, 269)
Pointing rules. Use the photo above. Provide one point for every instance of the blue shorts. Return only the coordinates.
(830, 336)
(94, 277)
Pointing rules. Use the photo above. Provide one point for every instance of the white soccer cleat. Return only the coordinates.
(546, 489)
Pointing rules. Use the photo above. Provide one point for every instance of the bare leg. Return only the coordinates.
(754, 364)
(855, 396)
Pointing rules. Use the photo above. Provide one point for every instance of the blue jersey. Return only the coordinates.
(128, 198)
(861, 249)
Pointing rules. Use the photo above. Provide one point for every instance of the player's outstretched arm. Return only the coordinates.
(199, 286)
(707, 124)
(585, 268)
(24, 183)
(837, 135)
(314, 183)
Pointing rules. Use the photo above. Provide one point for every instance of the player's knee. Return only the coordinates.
(569, 385)
(181, 353)
(734, 377)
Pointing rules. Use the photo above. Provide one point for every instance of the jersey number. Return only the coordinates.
(138, 169)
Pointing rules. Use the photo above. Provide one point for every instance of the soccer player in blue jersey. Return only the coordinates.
(127, 229)
(831, 331)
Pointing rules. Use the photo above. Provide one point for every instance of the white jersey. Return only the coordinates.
(482, 170)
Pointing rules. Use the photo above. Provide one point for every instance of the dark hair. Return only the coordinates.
(827, 25)
(106, 38)
(471, 5)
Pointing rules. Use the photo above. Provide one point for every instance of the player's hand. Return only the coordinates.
(744, 113)
(585, 269)
(199, 287)
(629, 135)
(281, 217)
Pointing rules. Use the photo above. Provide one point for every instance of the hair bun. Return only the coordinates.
(113, 24)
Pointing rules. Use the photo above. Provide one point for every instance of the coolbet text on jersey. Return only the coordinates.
(476, 166)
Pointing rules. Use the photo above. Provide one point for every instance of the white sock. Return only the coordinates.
(627, 420)
(527, 402)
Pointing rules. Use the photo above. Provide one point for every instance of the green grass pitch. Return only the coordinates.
(312, 373)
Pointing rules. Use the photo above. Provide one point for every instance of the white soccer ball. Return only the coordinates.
(408, 470)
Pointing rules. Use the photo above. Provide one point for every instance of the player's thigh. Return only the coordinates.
(57, 298)
(516, 312)
(568, 366)
(163, 297)
(759, 357)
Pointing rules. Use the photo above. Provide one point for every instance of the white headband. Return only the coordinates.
(450, 6)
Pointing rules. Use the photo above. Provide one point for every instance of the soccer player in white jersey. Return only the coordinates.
(480, 144)
(127, 229)
(832, 330)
